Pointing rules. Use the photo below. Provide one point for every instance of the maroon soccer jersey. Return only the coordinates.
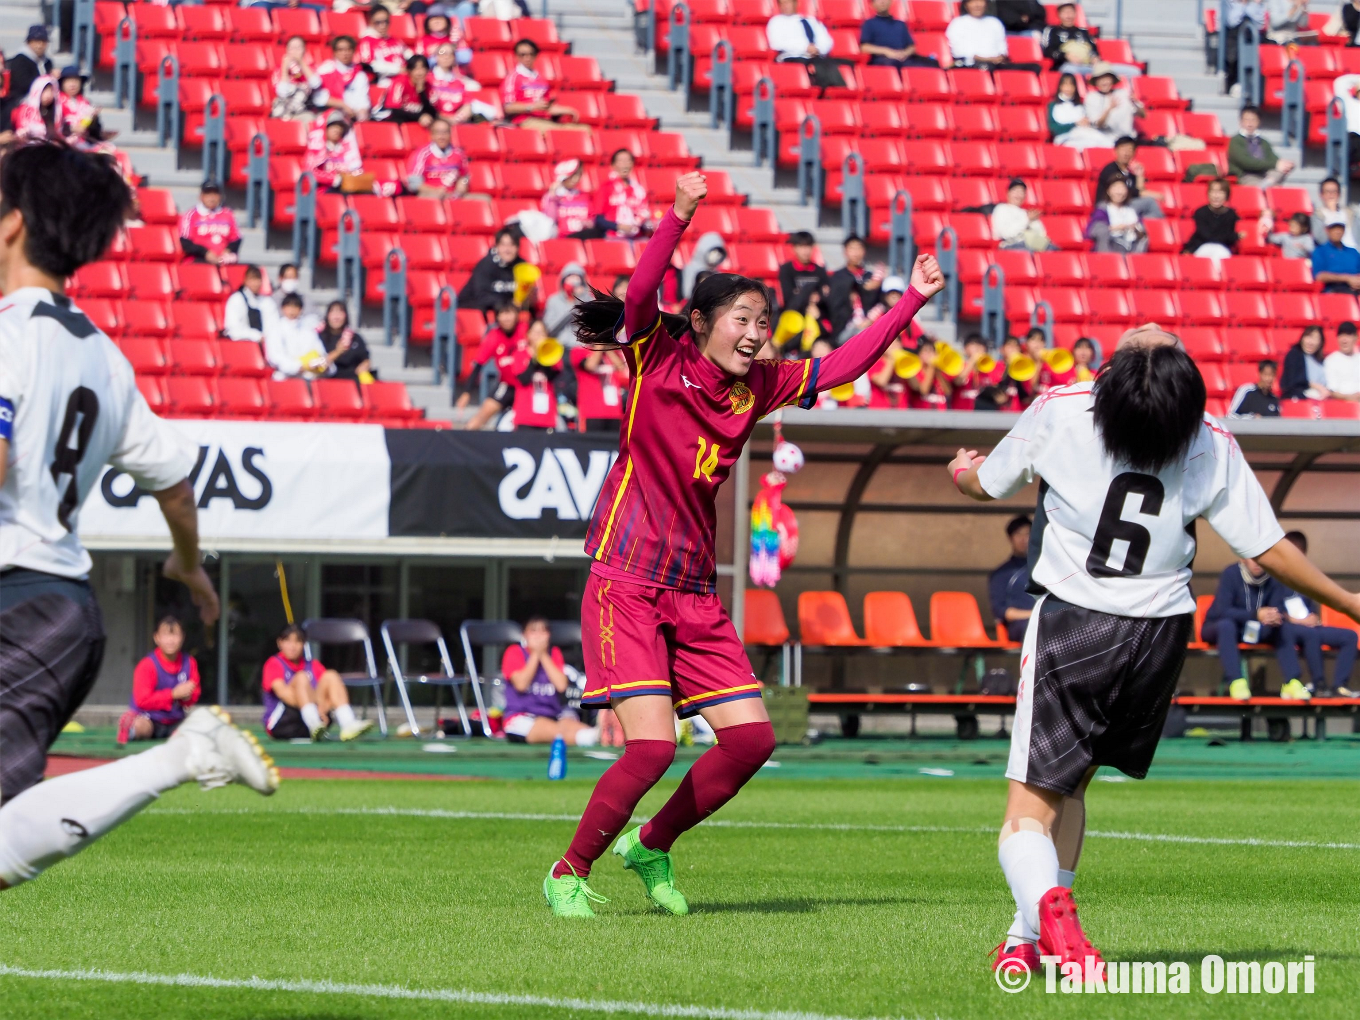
(685, 424)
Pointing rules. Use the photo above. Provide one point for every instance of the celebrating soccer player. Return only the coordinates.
(656, 639)
(1126, 464)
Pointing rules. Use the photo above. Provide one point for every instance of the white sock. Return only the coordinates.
(344, 715)
(1020, 931)
(311, 717)
(60, 817)
(1066, 878)
(1030, 862)
(588, 737)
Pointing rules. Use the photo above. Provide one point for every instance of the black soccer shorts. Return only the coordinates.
(1094, 690)
(51, 645)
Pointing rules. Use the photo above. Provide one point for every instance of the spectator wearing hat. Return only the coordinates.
(208, 232)
(1016, 226)
(1146, 203)
(452, 93)
(888, 41)
(1336, 265)
(1110, 108)
(344, 80)
(1252, 159)
(297, 86)
(439, 168)
(1258, 399)
(620, 204)
(25, 67)
(79, 116)
(382, 56)
(566, 204)
(527, 97)
(332, 153)
(1343, 365)
(801, 271)
(406, 100)
(1008, 584)
(249, 312)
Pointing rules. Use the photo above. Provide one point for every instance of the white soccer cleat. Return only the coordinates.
(355, 730)
(220, 753)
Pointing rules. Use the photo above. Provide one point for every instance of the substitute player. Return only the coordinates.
(68, 406)
(1127, 464)
(656, 639)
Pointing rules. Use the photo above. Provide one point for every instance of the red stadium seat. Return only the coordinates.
(382, 140)
(196, 319)
(338, 399)
(153, 390)
(1337, 308)
(1199, 274)
(290, 21)
(1108, 269)
(146, 319)
(249, 24)
(241, 398)
(200, 281)
(151, 281)
(611, 258)
(1202, 343)
(194, 357)
(927, 85)
(146, 356)
(242, 358)
(191, 396)
(1201, 308)
(290, 398)
(106, 315)
(1246, 272)
(100, 280)
(524, 146)
(157, 206)
(1246, 344)
(249, 60)
(389, 400)
(1292, 309)
(156, 244)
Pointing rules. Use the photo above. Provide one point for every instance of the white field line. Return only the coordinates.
(459, 995)
(719, 823)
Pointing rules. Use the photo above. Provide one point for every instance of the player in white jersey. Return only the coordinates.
(69, 405)
(1126, 465)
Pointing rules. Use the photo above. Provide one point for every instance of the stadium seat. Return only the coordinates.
(338, 399)
(290, 398)
(151, 281)
(191, 396)
(824, 620)
(764, 626)
(241, 398)
(389, 400)
(100, 280)
(153, 390)
(146, 356)
(890, 621)
(242, 358)
(194, 357)
(956, 621)
(107, 315)
(146, 319)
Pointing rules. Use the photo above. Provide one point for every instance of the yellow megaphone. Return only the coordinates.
(985, 364)
(1022, 368)
(843, 393)
(790, 325)
(549, 352)
(906, 365)
(947, 359)
(812, 330)
(1084, 374)
(1059, 359)
(527, 276)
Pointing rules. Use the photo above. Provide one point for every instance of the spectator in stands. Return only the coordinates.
(1302, 627)
(208, 231)
(1085, 359)
(165, 685)
(1257, 400)
(853, 291)
(536, 370)
(80, 118)
(1016, 227)
(1239, 11)
(1244, 610)
(803, 39)
(1343, 365)
(887, 389)
(528, 98)
(302, 696)
(505, 10)
(1251, 159)
(493, 277)
(1296, 240)
(930, 389)
(1288, 19)
(381, 55)
(710, 252)
(499, 347)
(572, 289)
(801, 271)
(443, 29)
(619, 290)
(291, 343)
(274, 5)
(888, 40)
(535, 692)
(810, 303)
(1069, 48)
(346, 352)
(1110, 109)
(25, 67)
(1115, 225)
(980, 370)
(1008, 584)
(38, 117)
(975, 38)
(567, 204)
(1350, 21)
(451, 91)
(1067, 120)
(1022, 17)
(297, 87)
(601, 381)
(1336, 265)
(345, 82)
(332, 152)
(291, 283)
(249, 313)
(1330, 209)
(406, 100)
(438, 169)
(1215, 235)
(1305, 374)
(620, 205)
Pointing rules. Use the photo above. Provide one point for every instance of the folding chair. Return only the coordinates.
(425, 632)
(486, 634)
(330, 631)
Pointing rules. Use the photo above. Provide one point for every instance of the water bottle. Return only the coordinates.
(557, 760)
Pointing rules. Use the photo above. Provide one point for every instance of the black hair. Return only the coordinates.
(597, 320)
(505, 232)
(168, 620)
(621, 278)
(853, 238)
(343, 39)
(377, 9)
(504, 304)
(340, 305)
(1065, 76)
(292, 630)
(1267, 363)
(1346, 329)
(1016, 523)
(1149, 405)
(618, 152)
(1326, 181)
(1016, 182)
(975, 338)
(1066, 3)
(535, 619)
(73, 204)
(524, 42)
(991, 398)
(253, 270)
(285, 267)
(416, 60)
(1249, 109)
(1085, 341)
(1029, 334)
(291, 301)
(1301, 218)
(1299, 539)
(1219, 182)
(801, 237)
(1125, 140)
(210, 187)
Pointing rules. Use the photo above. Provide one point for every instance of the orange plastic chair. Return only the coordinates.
(1331, 618)
(824, 619)
(956, 622)
(890, 621)
(1003, 638)
(1202, 604)
(765, 626)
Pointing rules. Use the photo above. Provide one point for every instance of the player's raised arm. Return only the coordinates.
(640, 307)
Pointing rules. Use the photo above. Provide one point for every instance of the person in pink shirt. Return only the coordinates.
(441, 28)
(382, 55)
(406, 99)
(451, 92)
(38, 117)
(344, 80)
(566, 203)
(620, 206)
(528, 97)
(440, 168)
(332, 152)
(208, 232)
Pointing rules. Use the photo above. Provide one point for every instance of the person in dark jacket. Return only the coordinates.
(1304, 376)
(1257, 400)
(1302, 628)
(493, 278)
(26, 67)
(888, 40)
(1008, 584)
(1215, 224)
(1022, 16)
(345, 349)
(854, 290)
(801, 271)
(1067, 46)
(1244, 610)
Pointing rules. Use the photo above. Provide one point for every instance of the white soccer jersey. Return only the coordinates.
(1112, 539)
(69, 404)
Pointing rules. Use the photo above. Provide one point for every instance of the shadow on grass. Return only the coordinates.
(800, 906)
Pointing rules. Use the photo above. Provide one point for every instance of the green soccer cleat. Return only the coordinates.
(655, 870)
(1239, 689)
(1295, 691)
(570, 896)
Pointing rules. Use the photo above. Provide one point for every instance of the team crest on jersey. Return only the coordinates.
(742, 398)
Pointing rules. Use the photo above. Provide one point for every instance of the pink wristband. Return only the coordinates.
(957, 472)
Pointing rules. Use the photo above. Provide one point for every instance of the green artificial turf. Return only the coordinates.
(795, 909)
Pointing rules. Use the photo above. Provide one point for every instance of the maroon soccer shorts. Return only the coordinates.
(640, 639)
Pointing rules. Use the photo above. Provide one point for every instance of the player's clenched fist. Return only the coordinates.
(690, 190)
(926, 276)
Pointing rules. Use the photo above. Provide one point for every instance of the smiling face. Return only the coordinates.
(506, 248)
(1117, 193)
(1345, 343)
(1016, 195)
(336, 317)
(1218, 196)
(622, 164)
(738, 331)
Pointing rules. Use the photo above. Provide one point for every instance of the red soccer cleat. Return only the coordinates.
(1021, 955)
(125, 723)
(1060, 932)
